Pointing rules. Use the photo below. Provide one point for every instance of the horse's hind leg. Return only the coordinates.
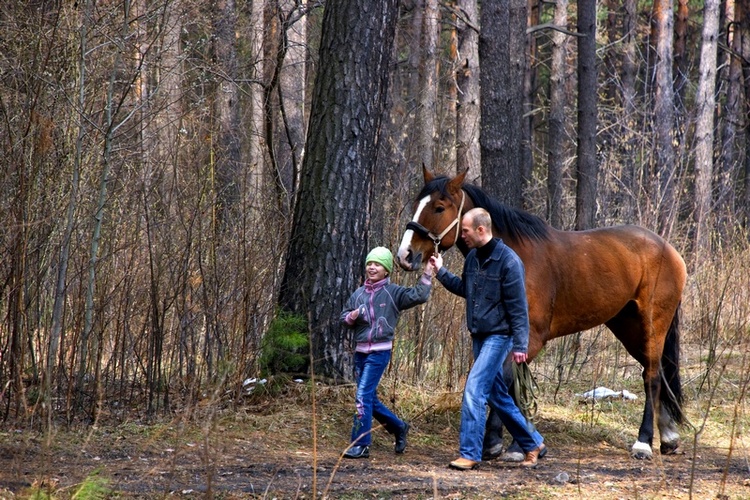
(628, 326)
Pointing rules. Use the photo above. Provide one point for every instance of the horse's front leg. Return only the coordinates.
(642, 449)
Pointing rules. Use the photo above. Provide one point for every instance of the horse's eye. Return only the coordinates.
(439, 210)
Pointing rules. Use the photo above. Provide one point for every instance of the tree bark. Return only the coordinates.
(226, 107)
(330, 230)
(704, 127)
(735, 121)
(428, 84)
(587, 168)
(502, 60)
(467, 79)
(664, 169)
(556, 136)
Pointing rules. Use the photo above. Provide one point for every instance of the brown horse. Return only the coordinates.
(625, 277)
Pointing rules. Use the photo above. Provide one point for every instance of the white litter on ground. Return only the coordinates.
(607, 393)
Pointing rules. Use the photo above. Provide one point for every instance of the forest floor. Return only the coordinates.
(264, 448)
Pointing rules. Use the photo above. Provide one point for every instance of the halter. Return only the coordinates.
(436, 239)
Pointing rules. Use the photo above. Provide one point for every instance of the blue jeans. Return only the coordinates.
(368, 369)
(485, 385)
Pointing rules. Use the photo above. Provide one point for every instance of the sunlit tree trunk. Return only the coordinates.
(681, 55)
(628, 138)
(662, 176)
(330, 230)
(428, 84)
(467, 79)
(704, 128)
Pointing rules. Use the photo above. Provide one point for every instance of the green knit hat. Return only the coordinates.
(382, 256)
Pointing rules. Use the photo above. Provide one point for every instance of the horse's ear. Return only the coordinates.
(428, 176)
(454, 185)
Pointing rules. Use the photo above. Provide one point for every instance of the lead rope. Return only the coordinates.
(524, 390)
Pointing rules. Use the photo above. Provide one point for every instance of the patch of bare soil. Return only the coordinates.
(267, 451)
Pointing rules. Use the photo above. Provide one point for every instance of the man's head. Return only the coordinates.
(476, 227)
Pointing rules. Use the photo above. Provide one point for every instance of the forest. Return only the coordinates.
(190, 188)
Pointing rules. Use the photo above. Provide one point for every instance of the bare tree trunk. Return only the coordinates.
(330, 230)
(226, 147)
(744, 32)
(735, 121)
(502, 59)
(290, 120)
(557, 136)
(704, 127)
(628, 138)
(256, 149)
(428, 84)
(664, 162)
(530, 82)
(587, 168)
(467, 79)
(681, 56)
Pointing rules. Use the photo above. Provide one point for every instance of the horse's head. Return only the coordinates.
(436, 223)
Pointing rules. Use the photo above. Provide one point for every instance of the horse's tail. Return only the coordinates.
(671, 395)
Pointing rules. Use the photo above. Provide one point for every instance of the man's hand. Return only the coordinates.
(519, 357)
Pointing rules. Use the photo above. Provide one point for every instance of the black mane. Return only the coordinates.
(516, 223)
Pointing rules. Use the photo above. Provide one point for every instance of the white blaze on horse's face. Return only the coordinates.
(405, 256)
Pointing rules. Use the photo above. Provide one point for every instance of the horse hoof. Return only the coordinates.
(641, 451)
(513, 456)
(492, 452)
(670, 449)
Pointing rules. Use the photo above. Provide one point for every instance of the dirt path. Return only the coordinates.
(242, 461)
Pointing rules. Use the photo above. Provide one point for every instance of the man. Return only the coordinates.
(497, 316)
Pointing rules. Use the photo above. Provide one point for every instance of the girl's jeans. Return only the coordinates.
(368, 369)
(485, 385)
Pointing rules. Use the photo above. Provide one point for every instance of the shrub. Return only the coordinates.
(285, 347)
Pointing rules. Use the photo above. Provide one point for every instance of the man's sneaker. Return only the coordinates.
(358, 452)
(401, 438)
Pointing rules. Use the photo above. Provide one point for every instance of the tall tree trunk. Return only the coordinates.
(681, 56)
(502, 60)
(467, 79)
(744, 31)
(664, 163)
(735, 121)
(428, 84)
(256, 149)
(704, 127)
(227, 158)
(587, 168)
(557, 136)
(628, 138)
(289, 122)
(530, 83)
(330, 230)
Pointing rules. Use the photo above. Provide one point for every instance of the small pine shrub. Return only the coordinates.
(285, 347)
(94, 487)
